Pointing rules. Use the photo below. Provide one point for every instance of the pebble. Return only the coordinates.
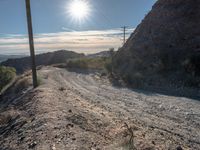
(179, 148)
(32, 145)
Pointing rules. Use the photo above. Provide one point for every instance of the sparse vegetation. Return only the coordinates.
(5, 118)
(22, 83)
(7, 74)
(136, 79)
(98, 63)
(39, 80)
(129, 132)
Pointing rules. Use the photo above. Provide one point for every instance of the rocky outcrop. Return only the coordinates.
(165, 48)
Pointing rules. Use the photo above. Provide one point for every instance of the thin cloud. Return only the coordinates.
(67, 29)
(80, 41)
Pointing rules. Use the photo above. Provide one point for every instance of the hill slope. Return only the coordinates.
(5, 57)
(165, 48)
(23, 64)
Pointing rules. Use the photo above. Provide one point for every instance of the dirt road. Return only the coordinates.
(71, 110)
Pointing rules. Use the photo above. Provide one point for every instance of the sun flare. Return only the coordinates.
(79, 9)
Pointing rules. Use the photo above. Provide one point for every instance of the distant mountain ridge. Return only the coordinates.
(23, 64)
(5, 57)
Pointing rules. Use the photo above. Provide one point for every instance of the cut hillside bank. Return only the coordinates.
(164, 50)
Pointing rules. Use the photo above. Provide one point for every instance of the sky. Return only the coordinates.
(55, 28)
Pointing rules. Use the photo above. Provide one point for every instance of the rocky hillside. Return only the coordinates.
(23, 64)
(165, 48)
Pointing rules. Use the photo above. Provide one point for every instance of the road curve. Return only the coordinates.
(164, 118)
(84, 111)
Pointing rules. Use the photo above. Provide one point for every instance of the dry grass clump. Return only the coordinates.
(129, 136)
(4, 119)
(22, 84)
(7, 116)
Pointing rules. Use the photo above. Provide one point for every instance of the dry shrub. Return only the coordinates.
(129, 132)
(4, 119)
(22, 84)
(8, 116)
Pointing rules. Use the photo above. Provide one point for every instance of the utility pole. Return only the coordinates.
(31, 43)
(124, 31)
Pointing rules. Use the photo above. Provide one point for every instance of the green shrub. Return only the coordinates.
(78, 63)
(136, 80)
(7, 74)
(88, 63)
(109, 66)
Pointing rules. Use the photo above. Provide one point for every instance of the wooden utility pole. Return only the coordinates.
(124, 31)
(31, 43)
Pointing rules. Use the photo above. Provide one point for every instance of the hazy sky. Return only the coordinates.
(55, 29)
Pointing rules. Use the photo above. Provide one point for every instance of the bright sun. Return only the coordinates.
(79, 9)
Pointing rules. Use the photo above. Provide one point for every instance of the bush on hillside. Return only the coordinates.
(6, 76)
(98, 63)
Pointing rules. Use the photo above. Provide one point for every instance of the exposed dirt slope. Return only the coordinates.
(84, 111)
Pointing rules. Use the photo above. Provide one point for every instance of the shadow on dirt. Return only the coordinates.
(87, 71)
(12, 115)
(150, 91)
